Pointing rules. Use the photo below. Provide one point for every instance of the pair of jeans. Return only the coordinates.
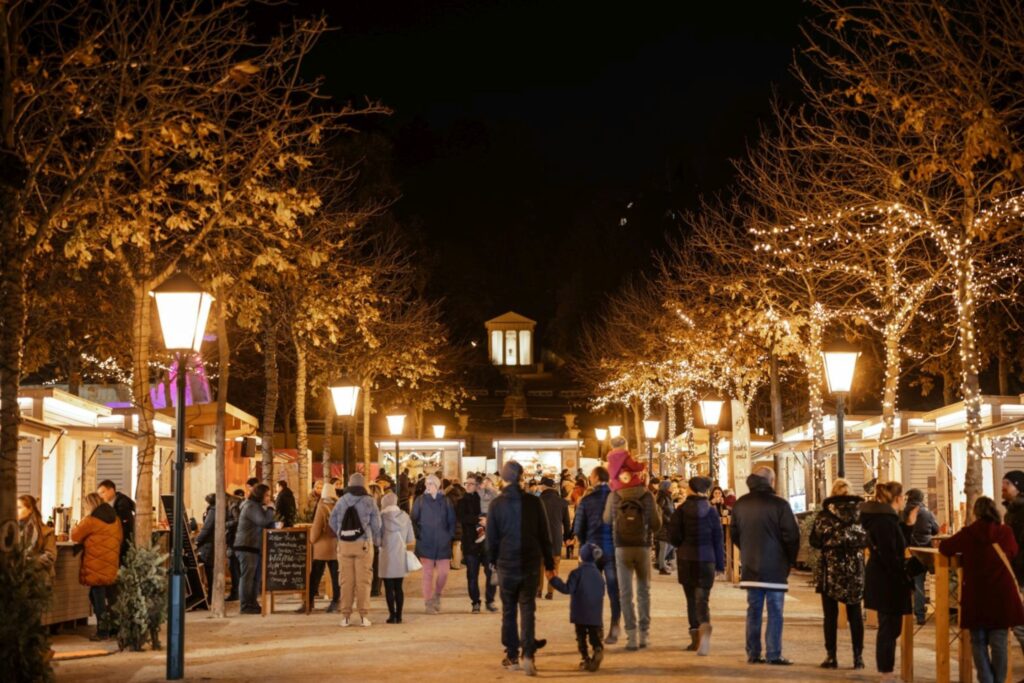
(991, 654)
(1018, 631)
(611, 581)
(473, 564)
(435, 576)
(236, 575)
(584, 633)
(394, 593)
(518, 600)
(250, 586)
(316, 573)
(853, 614)
(102, 599)
(355, 564)
(756, 599)
(698, 592)
(920, 612)
(889, 628)
(630, 561)
(665, 551)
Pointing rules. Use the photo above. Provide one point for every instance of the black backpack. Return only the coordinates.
(351, 525)
(630, 528)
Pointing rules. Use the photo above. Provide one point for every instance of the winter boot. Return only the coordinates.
(858, 659)
(830, 661)
(429, 607)
(595, 659)
(645, 639)
(694, 640)
(332, 608)
(704, 649)
(631, 643)
(437, 604)
(613, 634)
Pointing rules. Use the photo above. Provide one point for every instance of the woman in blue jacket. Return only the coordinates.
(433, 520)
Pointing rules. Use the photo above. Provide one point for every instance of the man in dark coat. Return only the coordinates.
(921, 533)
(768, 537)
(404, 490)
(589, 527)
(125, 509)
(474, 548)
(205, 540)
(285, 504)
(1013, 501)
(517, 544)
(559, 527)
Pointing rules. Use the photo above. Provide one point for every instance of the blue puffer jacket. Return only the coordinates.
(433, 519)
(589, 524)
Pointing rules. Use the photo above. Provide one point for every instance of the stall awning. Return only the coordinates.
(851, 446)
(122, 437)
(919, 439)
(536, 444)
(1002, 428)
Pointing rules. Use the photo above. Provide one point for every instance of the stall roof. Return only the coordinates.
(537, 444)
(1002, 428)
(918, 439)
(39, 428)
(381, 442)
(205, 414)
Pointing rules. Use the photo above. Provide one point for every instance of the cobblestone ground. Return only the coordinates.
(458, 646)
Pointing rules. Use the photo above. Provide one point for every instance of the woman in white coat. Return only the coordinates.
(397, 538)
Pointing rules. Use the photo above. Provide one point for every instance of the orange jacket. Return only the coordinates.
(101, 533)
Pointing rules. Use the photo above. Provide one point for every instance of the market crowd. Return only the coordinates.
(510, 532)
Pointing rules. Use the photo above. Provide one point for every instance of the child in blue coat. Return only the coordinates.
(586, 604)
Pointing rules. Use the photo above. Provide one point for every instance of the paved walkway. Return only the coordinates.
(457, 645)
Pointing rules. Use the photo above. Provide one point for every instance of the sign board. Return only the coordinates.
(739, 449)
(195, 576)
(285, 565)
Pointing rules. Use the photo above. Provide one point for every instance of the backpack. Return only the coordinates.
(630, 528)
(351, 525)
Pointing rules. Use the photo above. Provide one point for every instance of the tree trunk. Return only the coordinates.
(301, 430)
(1004, 372)
(970, 386)
(638, 428)
(328, 435)
(671, 454)
(141, 332)
(270, 400)
(12, 341)
(889, 388)
(367, 410)
(220, 545)
(778, 427)
(74, 370)
(815, 377)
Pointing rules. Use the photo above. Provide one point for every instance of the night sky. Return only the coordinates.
(544, 150)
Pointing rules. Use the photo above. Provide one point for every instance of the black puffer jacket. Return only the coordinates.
(766, 532)
(886, 586)
(837, 533)
(1015, 520)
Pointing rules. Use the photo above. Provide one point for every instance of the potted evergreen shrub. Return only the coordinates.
(24, 641)
(141, 604)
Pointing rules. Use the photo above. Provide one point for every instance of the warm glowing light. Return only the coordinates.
(345, 397)
(438, 431)
(711, 411)
(614, 431)
(183, 307)
(651, 428)
(601, 434)
(396, 424)
(840, 362)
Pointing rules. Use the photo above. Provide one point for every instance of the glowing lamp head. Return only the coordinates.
(345, 397)
(711, 411)
(651, 428)
(183, 307)
(601, 434)
(438, 431)
(840, 362)
(396, 424)
(614, 431)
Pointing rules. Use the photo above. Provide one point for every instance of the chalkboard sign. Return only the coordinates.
(195, 576)
(286, 554)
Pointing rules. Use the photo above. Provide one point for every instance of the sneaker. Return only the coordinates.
(539, 643)
(780, 661)
(613, 634)
(755, 659)
(251, 610)
(704, 649)
(391, 620)
(631, 640)
(584, 664)
(331, 608)
(595, 660)
(510, 664)
(476, 608)
(529, 666)
(491, 607)
(365, 622)
(645, 638)
(345, 623)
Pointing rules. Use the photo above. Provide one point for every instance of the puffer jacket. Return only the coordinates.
(100, 533)
(1015, 520)
(433, 519)
(765, 530)
(837, 533)
(253, 518)
(621, 465)
(589, 526)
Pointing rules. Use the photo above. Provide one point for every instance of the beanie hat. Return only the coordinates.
(1016, 477)
(619, 442)
(915, 496)
(699, 484)
(590, 553)
(665, 484)
(547, 481)
(356, 479)
(511, 472)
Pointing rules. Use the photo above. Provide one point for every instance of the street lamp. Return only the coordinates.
(600, 434)
(711, 411)
(438, 431)
(345, 395)
(614, 431)
(396, 425)
(840, 361)
(182, 307)
(651, 429)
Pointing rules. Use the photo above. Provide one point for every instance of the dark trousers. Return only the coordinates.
(611, 581)
(394, 593)
(102, 599)
(316, 572)
(698, 579)
(250, 579)
(236, 575)
(855, 617)
(375, 581)
(518, 600)
(473, 564)
(889, 628)
(591, 633)
(208, 571)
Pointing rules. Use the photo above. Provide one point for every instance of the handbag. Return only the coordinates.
(1002, 556)
(412, 563)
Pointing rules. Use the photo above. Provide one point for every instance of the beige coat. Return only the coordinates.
(321, 535)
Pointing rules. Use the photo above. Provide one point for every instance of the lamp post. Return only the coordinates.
(840, 361)
(651, 429)
(711, 411)
(183, 307)
(396, 425)
(600, 434)
(345, 395)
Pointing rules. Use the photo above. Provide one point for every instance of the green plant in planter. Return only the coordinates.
(141, 604)
(25, 592)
